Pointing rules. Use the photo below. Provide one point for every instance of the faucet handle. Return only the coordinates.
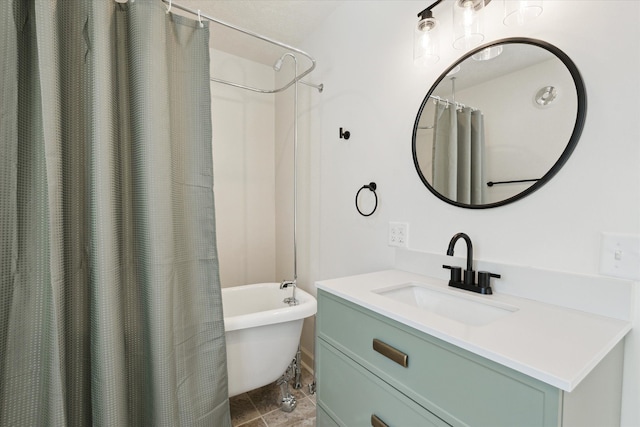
(456, 273)
(484, 278)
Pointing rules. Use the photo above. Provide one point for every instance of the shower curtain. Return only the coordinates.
(458, 152)
(110, 302)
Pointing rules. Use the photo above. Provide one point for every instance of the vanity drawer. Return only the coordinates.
(358, 398)
(454, 384)
(323, 419)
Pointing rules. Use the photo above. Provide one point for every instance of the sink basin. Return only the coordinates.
(461, 308)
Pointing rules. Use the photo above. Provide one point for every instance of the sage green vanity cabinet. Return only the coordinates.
(441, 384)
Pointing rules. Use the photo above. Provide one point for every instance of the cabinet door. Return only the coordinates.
(352, 396)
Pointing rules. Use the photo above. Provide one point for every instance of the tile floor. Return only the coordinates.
(261, 407)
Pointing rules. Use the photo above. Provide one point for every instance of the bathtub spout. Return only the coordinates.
(287, 283)
(290, 284)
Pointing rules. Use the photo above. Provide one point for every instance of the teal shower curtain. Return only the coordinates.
(110, 302)
(458, 154)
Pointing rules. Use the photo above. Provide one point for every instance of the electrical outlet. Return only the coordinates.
(620, 256)
(399, 234)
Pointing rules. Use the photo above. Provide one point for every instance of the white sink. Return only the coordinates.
(467, 309)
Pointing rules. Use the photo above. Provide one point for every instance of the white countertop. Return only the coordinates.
(556, 345)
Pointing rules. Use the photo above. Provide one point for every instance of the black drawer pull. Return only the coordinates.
(394, 354)
(377, 422)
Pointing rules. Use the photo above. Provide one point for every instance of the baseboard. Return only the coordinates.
(307, 360)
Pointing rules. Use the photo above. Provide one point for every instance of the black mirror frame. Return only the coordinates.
(581, 114)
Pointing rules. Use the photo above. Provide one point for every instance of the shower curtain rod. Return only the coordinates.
(298, 78)
(455, 103)
(437, 99)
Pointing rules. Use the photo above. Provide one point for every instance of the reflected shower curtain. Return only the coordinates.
(458, 151)
(110, 302)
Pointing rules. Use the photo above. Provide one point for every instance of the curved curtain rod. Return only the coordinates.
(261, 37)
(457, 104)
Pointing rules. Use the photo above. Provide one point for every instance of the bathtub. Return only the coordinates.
(262, 332)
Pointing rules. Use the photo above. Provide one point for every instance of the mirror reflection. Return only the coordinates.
(499, 123)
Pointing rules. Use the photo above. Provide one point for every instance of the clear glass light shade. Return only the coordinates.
(519, 12)
(425, 44)
(468, 28)
(488, 53)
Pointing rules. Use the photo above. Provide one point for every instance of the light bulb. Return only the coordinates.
(467, 23)
(468, 14)
(425, 42)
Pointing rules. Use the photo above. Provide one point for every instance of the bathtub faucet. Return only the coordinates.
(290, 284)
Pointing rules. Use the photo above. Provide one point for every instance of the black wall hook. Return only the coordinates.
(372, 186)
(346, 134)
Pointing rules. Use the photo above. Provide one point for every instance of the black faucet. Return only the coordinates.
(469, 281)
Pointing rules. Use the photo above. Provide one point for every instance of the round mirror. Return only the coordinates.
(499, 123)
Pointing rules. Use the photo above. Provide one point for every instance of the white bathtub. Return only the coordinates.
(262, 332)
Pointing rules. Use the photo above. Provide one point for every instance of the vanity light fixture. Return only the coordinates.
(468, 27)
(519, 12)
(468, 23)
(425, 39)
(467, 30)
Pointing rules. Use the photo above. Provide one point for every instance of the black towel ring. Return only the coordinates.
(372, 186)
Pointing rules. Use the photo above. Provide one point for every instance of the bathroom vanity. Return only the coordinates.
(399, 349)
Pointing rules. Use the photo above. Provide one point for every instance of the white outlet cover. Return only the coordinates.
(398, 234)
(620, 256)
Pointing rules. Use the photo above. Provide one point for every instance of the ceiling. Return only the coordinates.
(286, 21)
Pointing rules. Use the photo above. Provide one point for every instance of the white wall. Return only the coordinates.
(244, 171)
(372, 89)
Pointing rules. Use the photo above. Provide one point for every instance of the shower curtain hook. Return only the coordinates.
(200, 19)
(169, 8)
